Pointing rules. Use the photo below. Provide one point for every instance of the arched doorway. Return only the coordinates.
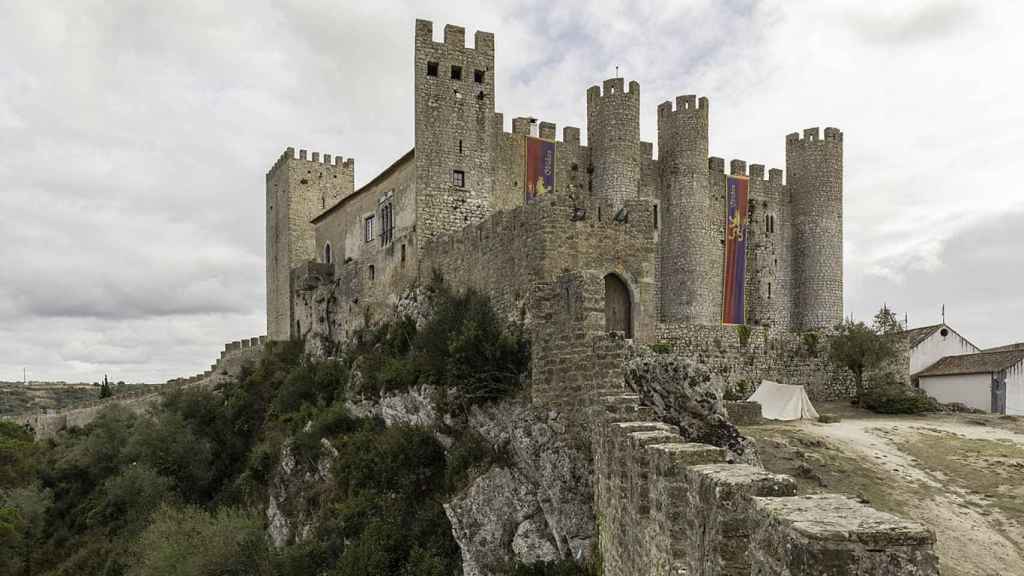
(618, 313)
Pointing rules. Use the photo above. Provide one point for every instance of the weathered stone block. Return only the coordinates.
(717, 517)
(833, 535)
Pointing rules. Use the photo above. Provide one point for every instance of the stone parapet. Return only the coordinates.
(667, 507)
(838, 536)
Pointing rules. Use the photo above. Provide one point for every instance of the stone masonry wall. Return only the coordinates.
(814, 168)
(784, 357)
(666, 507)
(297, 189)
(454, 111)
(613, 136)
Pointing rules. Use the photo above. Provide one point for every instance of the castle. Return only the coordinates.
(603, 232)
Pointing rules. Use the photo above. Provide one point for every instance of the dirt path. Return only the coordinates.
(974, 537)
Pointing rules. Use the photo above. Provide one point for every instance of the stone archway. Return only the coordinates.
(618, 306)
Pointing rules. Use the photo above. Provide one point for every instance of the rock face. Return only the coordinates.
(536, 506)
(539, 507)
(289, 514)
(681, 393)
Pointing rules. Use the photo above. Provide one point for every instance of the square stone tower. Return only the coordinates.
(298, 189)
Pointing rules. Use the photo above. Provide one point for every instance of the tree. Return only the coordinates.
(860, 347)
(190, 541)
(885, 321)
(105, 390)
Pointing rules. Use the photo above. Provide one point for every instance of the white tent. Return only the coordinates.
(783, 401)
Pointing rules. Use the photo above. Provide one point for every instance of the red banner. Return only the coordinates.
(733, 311)
(540, 168)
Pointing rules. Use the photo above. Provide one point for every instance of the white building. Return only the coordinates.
(929, 344)
(990, 381)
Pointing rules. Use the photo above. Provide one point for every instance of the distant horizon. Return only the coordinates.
(135, 143)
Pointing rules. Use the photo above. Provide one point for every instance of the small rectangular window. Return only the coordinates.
(458, 178)
(655, 216)
(368, 229)
(456, 72)
(371, 272)
(478, 76)
(431, 68)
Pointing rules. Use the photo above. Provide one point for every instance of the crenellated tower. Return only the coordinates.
(613, 136)
(298, 189)
(455, 121)
(690, 248)
(814, 170)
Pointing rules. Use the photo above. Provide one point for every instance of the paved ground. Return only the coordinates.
(962, 475)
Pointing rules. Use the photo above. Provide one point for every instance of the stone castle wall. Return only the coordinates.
(297, 189)
(49, 423)
(666, 506)
(454, 129)
(815, 180)
(766, 354)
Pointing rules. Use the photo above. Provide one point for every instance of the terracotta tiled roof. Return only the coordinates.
(917, 335)
(979, 363)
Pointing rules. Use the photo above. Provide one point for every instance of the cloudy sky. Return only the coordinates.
(134, 139)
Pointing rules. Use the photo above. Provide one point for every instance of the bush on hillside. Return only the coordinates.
(888, 396)
(464, 347)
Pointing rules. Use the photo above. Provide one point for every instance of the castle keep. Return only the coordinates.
(614, 236)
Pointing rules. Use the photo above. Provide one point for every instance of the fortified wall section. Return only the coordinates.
(666, 506)
(297, 189)
(734, 359)
(514, 253)
(454, 110)
(47, 424)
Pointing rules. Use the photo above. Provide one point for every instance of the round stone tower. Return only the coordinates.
(613, 135)
(690, 251)
(814, 174)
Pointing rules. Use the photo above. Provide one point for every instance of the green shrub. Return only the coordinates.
(661, 347)
(743, 332)
(810, 343)
(190, 541)
(886, 396)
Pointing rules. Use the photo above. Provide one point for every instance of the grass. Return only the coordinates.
(821, 467)
(992, 468)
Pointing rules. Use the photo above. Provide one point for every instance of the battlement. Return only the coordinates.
(547, 130)
(688, 104)
(738, 168)
(455, 37)
(814, 135)
(716, 164)
(346, 165)
(613, 87)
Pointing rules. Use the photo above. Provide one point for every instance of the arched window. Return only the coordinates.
(328, 256)
(618, 311)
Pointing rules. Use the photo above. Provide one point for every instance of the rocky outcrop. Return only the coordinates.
(290, 516)
(539, 507)
(536, 505)
(681, 394)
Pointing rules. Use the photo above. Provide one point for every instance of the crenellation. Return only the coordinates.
(716, 164)
(757, 171)
(571, 135)
(738, 168)
(454, 36)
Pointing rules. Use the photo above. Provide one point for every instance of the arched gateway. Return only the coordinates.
(618, 313)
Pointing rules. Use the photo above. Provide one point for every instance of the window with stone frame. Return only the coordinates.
(368, 229)
(387, 219)
(456, 72)
(458, 178)
(432, 69)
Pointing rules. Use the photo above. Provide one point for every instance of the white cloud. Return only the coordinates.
(135, 138)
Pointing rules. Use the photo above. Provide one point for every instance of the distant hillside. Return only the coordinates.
(18, 398)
